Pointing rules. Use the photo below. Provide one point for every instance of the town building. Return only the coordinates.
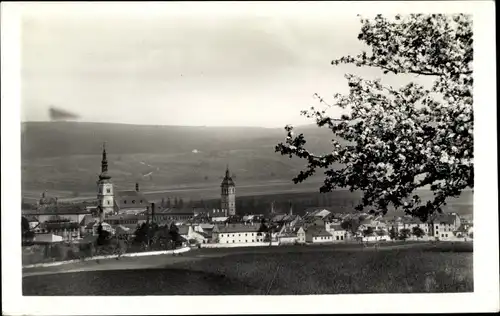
(131, 201)
(71, 212)
(237, 233)
(338, 233)
(443, 225)
(317, 235)
(291, 235)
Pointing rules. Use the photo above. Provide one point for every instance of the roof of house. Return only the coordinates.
(59, 226)
(175, 211)
(444, 219)
(59, 209)
(130, 199)
(290, 231)
(86, 219)
(288, 234)
(337, 227)
(125, 216)
(318, 231)
(206, 226)
(236, 228)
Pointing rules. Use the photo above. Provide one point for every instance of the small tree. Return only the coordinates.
(169, 203)
(103, 236)
(393, 233)
(351, 225)
(368, 231)
(381, 233)
(404, 234)
(180, 203)
(174, 235)
(26, 233)
(176, 202)
(418, 232)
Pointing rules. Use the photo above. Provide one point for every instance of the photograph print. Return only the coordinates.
(218, 153)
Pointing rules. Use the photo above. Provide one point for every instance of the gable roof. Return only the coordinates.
(125, 216)
(86, 219)
(318, 231)
(59, 209)
(448, 219)
(130, 199)
(59, 226)
(236, 228)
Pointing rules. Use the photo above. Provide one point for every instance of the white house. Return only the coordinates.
(194, 233)
(291, 235)
(442, 226)
(318, 234)
(237, 233)
(339, 234)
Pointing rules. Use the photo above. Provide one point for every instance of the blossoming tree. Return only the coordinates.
(397, 140)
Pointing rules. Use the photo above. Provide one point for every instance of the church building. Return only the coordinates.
(105, 197)
(228, 194)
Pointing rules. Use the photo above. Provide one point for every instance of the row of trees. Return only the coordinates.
(176, 203)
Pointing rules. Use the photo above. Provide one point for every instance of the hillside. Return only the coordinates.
(65, 156)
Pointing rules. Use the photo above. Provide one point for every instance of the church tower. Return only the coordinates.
(105, 201)
(228, 194)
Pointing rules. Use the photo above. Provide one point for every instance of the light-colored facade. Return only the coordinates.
(237, 233)
(318, 235)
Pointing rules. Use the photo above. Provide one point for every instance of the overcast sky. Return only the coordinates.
(173, 69)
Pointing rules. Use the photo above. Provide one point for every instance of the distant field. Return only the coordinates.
(445, 267)
(77, 175)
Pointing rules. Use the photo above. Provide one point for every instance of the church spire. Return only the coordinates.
(104, 164)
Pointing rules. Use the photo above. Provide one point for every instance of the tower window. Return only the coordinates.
(133, 201)
(108, 190)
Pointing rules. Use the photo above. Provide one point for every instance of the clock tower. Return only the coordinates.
(105, 200)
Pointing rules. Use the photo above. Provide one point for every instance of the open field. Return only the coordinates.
(65, 156)
(332, 269)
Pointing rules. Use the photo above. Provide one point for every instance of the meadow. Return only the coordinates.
(424, 268)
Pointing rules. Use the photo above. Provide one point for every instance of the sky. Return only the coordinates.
(227, 69)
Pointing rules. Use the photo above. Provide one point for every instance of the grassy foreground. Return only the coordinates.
(426, 268)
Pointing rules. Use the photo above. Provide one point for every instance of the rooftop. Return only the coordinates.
(236, 228)
(318, 231)
(57, 209)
